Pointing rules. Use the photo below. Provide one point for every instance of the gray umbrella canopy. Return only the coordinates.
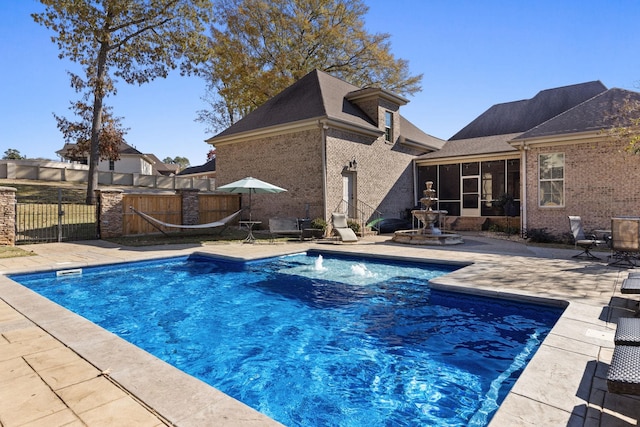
(251, 186)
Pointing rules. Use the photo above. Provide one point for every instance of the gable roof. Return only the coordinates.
(594, 114)
(521, 116)
(123, 149)
(315, 95)
(318, 95)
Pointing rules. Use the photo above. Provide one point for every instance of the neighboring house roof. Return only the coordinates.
(206, 168)
(495, 144)
(595, 114)
(162, 168)
(521, 116)
(319, 95)
(123, 149)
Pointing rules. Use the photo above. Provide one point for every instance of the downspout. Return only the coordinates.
(523, 198)
(323, 141)
(415, 181)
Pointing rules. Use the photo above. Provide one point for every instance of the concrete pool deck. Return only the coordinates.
(57, 368)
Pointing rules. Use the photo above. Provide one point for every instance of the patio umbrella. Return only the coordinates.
(251, 186)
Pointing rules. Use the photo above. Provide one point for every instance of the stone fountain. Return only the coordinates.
(429, 233)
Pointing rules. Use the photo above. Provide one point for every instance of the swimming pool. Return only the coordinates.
(343, 341)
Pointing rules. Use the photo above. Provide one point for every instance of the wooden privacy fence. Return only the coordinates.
(185, 208)
(114, 217)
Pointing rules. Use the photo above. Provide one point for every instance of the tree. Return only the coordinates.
(13, 154)
(136, 41)
(260, 47)
(626, 124)
(110, 136)
(183, 162)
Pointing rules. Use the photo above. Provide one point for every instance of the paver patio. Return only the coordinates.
(57, 368)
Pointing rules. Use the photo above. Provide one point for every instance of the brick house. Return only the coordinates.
(549, 153)
(332, 145)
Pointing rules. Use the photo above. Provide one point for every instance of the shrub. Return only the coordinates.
(354, 226)
(539, 235)
(319, 224)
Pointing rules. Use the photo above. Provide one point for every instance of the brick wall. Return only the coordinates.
(8, 216)
(601, 181)
(384, 177)
(110, 213)
(292, 161)
(190, 206)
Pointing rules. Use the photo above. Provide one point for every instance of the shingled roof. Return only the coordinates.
(209, 166)
(521, 116)
(318, 95)
(595, 114)
(494, 144)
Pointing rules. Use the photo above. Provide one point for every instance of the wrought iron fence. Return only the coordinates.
(49, 220)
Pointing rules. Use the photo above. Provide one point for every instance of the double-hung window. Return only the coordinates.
(551, 179)
(388, 126)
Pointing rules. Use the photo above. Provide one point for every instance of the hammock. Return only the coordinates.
(155, 222)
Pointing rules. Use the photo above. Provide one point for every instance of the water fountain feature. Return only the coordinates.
(429, 234)
(318, 266)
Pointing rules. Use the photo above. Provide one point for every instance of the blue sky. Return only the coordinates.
(472, 53)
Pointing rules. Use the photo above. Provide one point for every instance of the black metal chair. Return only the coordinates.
(586, 243)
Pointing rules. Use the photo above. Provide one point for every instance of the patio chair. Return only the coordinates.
(625, 241)
(586, 243)
(341, 228)
(627, 331)
(624, 371)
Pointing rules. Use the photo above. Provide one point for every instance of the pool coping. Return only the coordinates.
(184, 400)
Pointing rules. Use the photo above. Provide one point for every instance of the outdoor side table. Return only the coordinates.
(249, 224)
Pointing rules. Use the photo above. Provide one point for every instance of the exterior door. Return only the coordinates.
(471, 195)
(348, 195)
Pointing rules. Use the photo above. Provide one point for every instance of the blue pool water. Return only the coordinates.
(313, 341)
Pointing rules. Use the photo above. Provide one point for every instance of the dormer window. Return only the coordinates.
(388, 126)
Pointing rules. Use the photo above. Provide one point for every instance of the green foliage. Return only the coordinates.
(183, 162)
(260, 47)
(13, 154)
(355, 226)
(319, 224)
(110, 137)
(625, 125)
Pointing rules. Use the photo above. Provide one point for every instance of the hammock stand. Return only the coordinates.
(156, 223)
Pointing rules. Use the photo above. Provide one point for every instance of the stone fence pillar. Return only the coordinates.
(190, 206)
(110, 214)
(8, 216)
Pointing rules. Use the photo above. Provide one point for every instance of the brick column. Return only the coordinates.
(190, 206)
(8, 216)
(110, 214)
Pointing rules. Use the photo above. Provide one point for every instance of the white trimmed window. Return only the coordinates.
(551, 180)
(388, 126)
